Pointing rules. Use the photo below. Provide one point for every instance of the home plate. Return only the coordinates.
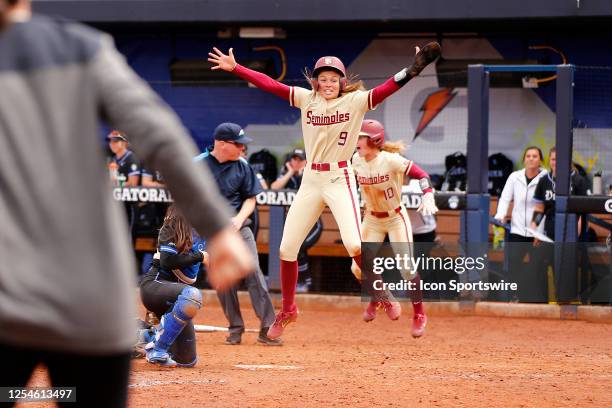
(253, 367)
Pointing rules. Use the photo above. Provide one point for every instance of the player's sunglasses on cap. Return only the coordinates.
(231, 133)
(116, 136)
(298, 153)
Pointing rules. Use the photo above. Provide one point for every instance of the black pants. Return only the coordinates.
(82, 371)
(525, 274)
(544, 256)
(159, 296)
(423, 244)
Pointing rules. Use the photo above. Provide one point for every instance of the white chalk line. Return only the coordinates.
(253, 367)
(157, 383)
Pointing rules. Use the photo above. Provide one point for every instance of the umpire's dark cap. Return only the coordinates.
(231, 132)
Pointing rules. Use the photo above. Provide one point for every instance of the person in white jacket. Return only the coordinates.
(519, 190)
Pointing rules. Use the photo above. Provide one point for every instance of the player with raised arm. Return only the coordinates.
(381, 172)
(331, 113)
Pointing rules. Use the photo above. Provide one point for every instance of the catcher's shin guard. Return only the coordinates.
(173, 322)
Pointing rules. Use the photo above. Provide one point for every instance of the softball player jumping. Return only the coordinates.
(381, 171)
(332, 112)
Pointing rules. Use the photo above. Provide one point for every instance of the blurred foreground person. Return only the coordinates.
(67, 297)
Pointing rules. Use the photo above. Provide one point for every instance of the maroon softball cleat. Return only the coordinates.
(282, 320)
(393, 309)
(419, 321)
(370, 313)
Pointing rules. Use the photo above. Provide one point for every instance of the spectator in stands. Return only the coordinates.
(544, 209)
(291, 178)
(67, 298)
(239, 185)
(519, 190)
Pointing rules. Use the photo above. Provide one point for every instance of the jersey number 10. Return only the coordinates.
(389, 193)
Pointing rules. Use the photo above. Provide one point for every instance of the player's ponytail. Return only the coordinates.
(353, 84)
(176, 228)
(394, 147)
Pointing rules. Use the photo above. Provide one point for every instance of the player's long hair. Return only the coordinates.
(532, 148)
(352, 83)
(176, 229)
(394, 147)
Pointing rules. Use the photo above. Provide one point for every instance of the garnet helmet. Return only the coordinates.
(329, 63)
(375, 132)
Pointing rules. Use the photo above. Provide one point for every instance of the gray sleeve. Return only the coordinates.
(158, 138)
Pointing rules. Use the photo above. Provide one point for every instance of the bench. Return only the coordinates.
(329, 245)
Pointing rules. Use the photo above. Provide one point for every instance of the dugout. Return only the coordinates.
(157, 36)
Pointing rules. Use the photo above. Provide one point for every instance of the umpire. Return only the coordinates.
(238, 183)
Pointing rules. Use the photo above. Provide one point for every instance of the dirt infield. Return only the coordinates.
(333, 359)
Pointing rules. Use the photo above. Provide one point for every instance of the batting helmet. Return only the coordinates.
(328, 63)
(375, 132)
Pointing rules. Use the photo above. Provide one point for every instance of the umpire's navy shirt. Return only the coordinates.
(237, 181)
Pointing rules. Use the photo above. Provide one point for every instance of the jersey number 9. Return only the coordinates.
(342, 138)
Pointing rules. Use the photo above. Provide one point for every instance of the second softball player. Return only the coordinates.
(380, 171)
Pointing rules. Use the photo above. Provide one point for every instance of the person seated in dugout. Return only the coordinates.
(291, 176)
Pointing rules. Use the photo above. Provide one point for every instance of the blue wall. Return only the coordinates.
(202, 108)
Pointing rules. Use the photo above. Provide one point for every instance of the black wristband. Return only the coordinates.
(537, 217)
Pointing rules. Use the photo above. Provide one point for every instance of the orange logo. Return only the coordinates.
(432, 106)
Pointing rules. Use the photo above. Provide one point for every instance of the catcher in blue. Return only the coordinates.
(166, 291)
